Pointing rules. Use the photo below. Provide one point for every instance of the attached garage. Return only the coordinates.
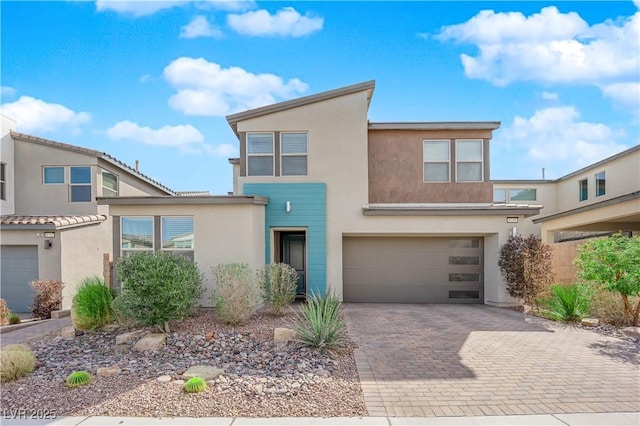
(413, 269)
(19, 266)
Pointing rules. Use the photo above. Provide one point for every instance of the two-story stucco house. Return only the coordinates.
(51, 225)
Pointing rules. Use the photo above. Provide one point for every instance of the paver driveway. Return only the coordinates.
(456, 360)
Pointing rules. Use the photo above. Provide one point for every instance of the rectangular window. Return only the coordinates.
(435, 156)
(293, 151)
(53, 175)
(583, 188)
(136, 233)
(522, 194)
(469, 160)
(461, 243)
(177, 233)
(600, 184)
(464, 260)
(109, 184)
(464, 277)
(260, 154)
(3, 181)
(80, 184)
(500, 195)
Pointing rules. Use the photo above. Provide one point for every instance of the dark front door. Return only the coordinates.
(293, 247)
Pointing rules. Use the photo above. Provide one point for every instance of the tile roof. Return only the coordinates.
(56, 221)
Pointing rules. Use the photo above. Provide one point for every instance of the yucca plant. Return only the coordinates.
(320, 323)
(567, 303)
(78, 378)
(195, 385)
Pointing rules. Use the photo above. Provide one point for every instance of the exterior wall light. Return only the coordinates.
(288, 206)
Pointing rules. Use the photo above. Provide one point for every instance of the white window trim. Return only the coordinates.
(290, 154)
(193, 222)
(466, 161)
(153, 233)
(90, 184)
(272, 155)
(109, 189)
(424, 177)
(64, 175)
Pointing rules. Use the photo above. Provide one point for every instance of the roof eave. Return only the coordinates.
(436, 125)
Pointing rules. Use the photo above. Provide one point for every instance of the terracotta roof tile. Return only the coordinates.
(57, 221)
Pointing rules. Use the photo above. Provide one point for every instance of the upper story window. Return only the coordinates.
(53, 175)
(260, 154)
(80, 184)
(136, 233)
(177, 233)
(583, 190)
(600, 184)
(109, 184)
(293, 154)
(436, 159)
(469, 160)
(500, 195)
(3, 181)
(504, 195)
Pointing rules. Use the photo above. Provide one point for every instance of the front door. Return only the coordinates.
(293, 248)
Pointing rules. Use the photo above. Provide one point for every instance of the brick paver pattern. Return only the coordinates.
(469, 360)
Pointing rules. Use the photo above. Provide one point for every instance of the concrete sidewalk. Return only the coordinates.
(578, 419)
(29, 331)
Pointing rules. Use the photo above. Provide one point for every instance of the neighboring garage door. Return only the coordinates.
(19, 267)
(413, 269)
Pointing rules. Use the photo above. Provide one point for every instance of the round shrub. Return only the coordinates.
(47, 297)
(157, 287)
(195, 385)
(14, 319)
(278, 282)
(16, 361)
(91, 307)
(236, 296)
(78, 378)
(4, 312)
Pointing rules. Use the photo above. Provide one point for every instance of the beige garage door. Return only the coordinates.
(413, 269)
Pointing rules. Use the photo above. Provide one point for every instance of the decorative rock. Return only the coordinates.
(209, 336)
(164, 379)
(590, 322)
(121, 339)
(114, 370)
(283, 335)
(205, 372)
(151, 342)
(68, 332)
(321, 373)
(109, 328)
(631, 331)
(178, 382)
(121, 348)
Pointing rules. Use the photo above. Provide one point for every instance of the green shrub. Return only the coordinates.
(91, 307)
(157, 287)
(195, 385)
(567, 303)
(278, 282)
(320, 324)
(78, 378)
(16, 361)
(4, 312)
(236, 295)
(47, 297)
(14, 319)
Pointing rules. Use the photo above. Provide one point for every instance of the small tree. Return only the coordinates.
(278, 282)
(526, 265)
(614, 263)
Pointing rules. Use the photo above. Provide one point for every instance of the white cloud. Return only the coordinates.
(205, 88)
(549, 47)
(557, 139)
(176, 136)
(137, 8)
(286, 22)
(7, 91)
(227, 5)
(550, 96)
(625, 94)
(146, 78)
(37, 116)
(200, 27)
(225, 150)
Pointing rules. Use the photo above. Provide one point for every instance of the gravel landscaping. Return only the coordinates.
(260, 378)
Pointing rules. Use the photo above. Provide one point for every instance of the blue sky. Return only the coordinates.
(152, 81)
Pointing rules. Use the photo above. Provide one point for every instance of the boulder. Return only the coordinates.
(205, 372)
(114, 370)
(164, 379)
(125, 338)
(151, 342)
(283, 335)
(68, 332)
(590, 322)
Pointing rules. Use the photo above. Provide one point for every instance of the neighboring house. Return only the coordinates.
(51, 225)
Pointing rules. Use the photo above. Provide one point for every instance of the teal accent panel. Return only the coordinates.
(309, 210)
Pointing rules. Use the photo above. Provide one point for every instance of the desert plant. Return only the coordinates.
(613, 263)
(320, 322)
(78, 378)
(92, 305)
(158, 287)
(14, 319)
(4, 312)
(236, 296)
(609, 306)
(567, 303)
(16, 361)
(195, 385)
(526, 265)
(47, 297)
(278, 282)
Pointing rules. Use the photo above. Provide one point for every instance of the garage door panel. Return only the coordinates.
(19, 266)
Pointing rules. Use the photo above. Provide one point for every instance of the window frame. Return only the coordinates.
(272, 154)
(117, 191)
(523, 189)
(3, 181)
(153, 243)
(64, 177)
(72, 184)
(174, 249)
(506, 195)
(425, 162)
(481, 161)
(291, 154)
(604, 183)
(583, 193)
